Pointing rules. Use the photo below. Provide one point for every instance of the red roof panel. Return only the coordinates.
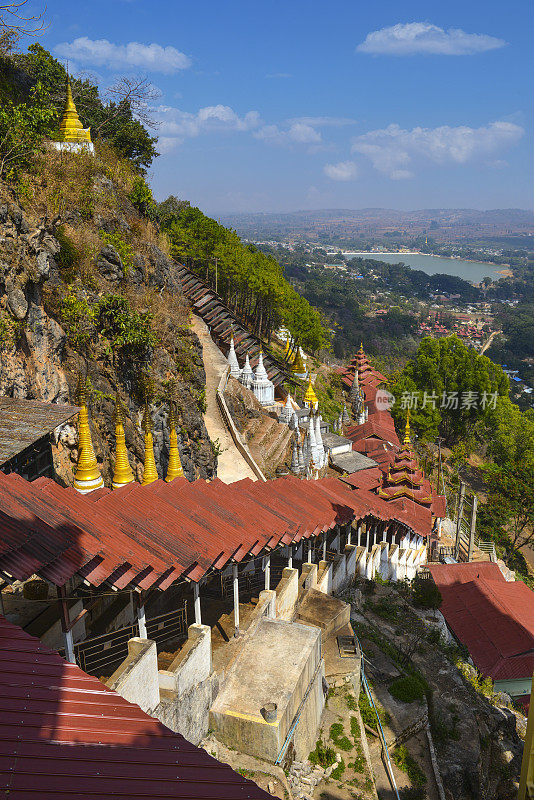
(65, 734)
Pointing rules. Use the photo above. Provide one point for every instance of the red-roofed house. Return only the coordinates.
(493, 618)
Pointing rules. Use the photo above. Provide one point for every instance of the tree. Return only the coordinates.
(450, 389)
(14, 23)
(511, 501)
(22, 128)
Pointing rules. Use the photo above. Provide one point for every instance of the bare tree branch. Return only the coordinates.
(13, 19)
(139, 94)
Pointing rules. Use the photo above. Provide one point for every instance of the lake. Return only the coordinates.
(472, 271)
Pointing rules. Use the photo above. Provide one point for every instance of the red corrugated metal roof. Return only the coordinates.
(495, 621)
(148, 536)
(65, 734)
(447, 574)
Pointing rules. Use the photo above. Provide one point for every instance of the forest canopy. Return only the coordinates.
(250, 282)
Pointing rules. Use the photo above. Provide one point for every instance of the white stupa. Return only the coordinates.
(235, 370)
(262, 387)
(247, 376)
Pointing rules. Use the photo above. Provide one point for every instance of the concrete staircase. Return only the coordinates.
(268, 441)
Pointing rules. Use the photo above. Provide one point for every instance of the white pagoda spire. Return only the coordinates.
(319, 442)
(287, 411)
(235, 370)
(247, 376)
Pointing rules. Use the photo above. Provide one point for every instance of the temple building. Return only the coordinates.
(72, 136)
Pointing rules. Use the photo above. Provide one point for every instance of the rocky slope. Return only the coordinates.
(53, 273)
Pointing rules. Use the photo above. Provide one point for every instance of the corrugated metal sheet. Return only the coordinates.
(495, 621)
(23, 422)
(64, 734)
(149, 536)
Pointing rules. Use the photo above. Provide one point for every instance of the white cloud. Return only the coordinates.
(177, 125)
(320, 122)
(343, 171)
(297, 133)
(423, 38)
(394, 150)
(101, 52)
(279, 75)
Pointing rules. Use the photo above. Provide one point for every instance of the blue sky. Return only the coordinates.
(278, 105)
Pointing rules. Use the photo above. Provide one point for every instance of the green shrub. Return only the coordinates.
(407, 763)
(68, 257)
(126, 329)
(7, 331)
(407, 689)
(425, 593)
(78, 318)
(141, 196)
(338, 771)
(337, 735)
(123, 248)
(368, 714)
(383, 608)
(322, 755)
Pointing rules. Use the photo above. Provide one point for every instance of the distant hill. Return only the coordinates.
(443, 224)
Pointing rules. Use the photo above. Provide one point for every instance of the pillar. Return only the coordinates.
(267, 568)
(196, 599)
(141, 621)
(236, 599)
(65, 625)
(473, 528)
(459, 515)
(385, 533)
(309, 551)
(290, 558)
(349, 533)
(324, 545)
(359, 530)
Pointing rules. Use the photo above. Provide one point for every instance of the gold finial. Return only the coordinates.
(174, 469)
(71, 129)
(310, 397)
(407, 439)
(298, 364)
(150, 473)
(361, 347)
(87, 476)
(122, 474)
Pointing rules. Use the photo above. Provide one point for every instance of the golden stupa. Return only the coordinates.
(310, 398)
(150, 473)
(87, 477)
(71, 131)
(122, 474)
(174, 469)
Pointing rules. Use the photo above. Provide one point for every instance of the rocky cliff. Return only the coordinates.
(57, 274)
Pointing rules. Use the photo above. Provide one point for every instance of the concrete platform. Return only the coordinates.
(323, 611)
(280, 663)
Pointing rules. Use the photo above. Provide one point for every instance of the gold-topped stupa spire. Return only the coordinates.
(70, 128)
(297, 365)
(87, 477)
(123, 471)
(174, 469)
(310, 398)
(407, 439)
(150, 473)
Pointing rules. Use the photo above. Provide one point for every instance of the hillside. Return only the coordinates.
(90, 291)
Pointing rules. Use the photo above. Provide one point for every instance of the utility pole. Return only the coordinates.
(459, 515)
(473, 528)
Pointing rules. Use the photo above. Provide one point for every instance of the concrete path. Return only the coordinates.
(231, 466)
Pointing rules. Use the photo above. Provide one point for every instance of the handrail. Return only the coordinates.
(380, 729)
(236, 436)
